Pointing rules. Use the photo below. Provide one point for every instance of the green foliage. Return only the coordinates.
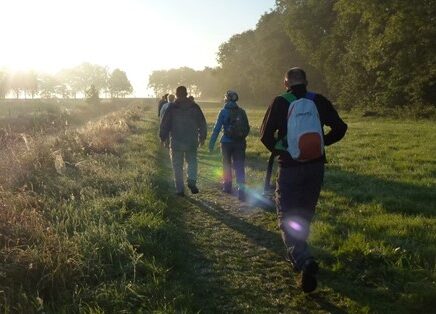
(368, 53)
(368, 50)
(253, 63)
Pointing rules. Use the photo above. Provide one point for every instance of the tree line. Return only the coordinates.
(359, 53)
(68, 83)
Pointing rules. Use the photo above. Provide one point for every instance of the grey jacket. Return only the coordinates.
(184, 124)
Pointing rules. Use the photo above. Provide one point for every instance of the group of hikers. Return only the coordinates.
(292, 130)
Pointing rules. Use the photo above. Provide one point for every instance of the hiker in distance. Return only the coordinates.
(171, 99)
(233, 120)
(162, 102)
(185, 126)
(299, 116)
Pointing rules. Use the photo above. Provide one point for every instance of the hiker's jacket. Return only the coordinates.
(222, 123)
(275, 124)
(164, 109)
(160, 105)
(184, 124)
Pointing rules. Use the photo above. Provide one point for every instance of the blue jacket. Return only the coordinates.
(221, 123)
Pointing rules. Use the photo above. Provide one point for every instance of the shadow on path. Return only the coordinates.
(264, 238)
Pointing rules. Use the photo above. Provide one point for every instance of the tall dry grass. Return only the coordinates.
(40, 174)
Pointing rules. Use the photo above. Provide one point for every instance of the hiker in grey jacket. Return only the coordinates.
(184, 124)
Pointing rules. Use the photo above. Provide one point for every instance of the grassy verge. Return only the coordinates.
(87, 231)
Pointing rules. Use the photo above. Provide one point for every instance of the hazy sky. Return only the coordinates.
(137, 36)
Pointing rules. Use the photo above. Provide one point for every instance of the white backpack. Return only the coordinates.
(305, 136)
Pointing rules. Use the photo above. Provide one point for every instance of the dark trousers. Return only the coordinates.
(297, 193)
(234, 154)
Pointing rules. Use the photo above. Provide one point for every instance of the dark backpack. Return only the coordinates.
(237, 127)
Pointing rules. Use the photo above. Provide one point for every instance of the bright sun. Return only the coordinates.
(49, 35)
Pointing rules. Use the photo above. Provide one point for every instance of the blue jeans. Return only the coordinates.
(234, 154)
(297, 193)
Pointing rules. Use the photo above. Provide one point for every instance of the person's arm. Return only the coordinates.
(338, 127)
(165, 125)
(216, 130)
(202, 126)
(159, 107)
(269, 126)
(246, 121)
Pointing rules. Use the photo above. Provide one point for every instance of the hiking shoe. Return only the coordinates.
(227, 188)
(193, 188)
(181, 194)
(241, 195)
(308, 277)
(294, 266)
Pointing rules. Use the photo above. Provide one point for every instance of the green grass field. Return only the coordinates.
(98, 229)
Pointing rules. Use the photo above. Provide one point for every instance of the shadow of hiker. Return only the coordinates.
(398, 197)
(203, 288)
(264, 238)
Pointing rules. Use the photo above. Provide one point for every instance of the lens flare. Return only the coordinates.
(296, 227)
(255, 197)
(218, 172)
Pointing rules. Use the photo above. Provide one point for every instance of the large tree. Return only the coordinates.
(368, 50)
(119, 84)
(166, 81)
(254, 62)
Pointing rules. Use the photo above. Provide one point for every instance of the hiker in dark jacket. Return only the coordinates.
(162, 102)
(184, 124)
(232, 146)
(298, 183)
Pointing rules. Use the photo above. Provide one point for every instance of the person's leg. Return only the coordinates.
(238, 157)
(314, 176)
(177, 162)
(298, 189)
(267, 185)
(191, 159)
(226, 150)
(288, 200)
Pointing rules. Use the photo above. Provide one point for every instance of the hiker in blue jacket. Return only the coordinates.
(233, 120)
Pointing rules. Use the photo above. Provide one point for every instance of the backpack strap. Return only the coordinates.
(289, 97)
(310, 95)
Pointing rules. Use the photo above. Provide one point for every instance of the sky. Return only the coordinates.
(137, 36)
